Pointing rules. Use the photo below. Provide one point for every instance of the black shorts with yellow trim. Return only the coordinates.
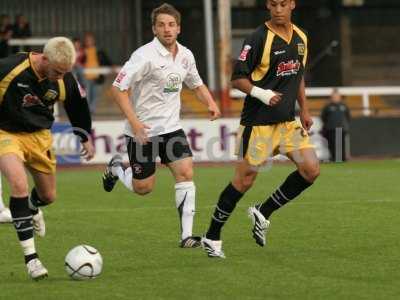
(34, 149)
(258, 143)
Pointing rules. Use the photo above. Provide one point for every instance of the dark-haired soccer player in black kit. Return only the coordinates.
(270, 70)
(30, 85)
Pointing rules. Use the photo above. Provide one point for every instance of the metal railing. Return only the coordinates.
(364, 91)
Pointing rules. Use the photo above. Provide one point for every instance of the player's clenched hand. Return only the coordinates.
(275, 99)
(87, 150)
(139, 130)
(267, 97)
(214, 111)
(306, 120)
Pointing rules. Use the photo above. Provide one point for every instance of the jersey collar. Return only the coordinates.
(288, 41)
(162, 50)
(33, 68)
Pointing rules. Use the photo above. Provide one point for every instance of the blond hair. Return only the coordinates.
(60, 50)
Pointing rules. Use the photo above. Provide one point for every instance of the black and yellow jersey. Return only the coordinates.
(271, 62)
(27, 101)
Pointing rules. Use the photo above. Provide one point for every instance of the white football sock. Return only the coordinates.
(2, 206)
(115, 170)
(125, 176)
(28, 246)
(185, 194)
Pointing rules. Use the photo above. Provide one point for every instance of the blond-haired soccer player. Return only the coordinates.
(270, 70)
(155, 74)
(31, 83)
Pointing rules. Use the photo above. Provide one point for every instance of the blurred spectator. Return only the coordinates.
(5, 35)
(21, 27)
(336, 124)
(21, 30)
(94, 58)
(77, 70)
(80, 51)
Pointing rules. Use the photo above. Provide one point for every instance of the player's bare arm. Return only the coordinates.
(268, 97)
(204, 95)
(78, 113)
(139, 129)
(305, 116)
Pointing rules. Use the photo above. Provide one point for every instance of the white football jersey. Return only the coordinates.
(155, 79)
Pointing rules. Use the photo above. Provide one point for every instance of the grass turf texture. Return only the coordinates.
(338, 240)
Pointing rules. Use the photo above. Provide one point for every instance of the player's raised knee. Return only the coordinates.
(247, 182)
(48, 197)
(243, 184)
(142, 188)
(185, 175)
(311, 172)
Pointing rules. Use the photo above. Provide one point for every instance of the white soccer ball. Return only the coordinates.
(83, 262)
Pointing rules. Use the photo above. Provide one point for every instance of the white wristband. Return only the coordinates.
(264, 96)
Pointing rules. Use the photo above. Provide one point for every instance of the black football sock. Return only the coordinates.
(35, 202)
(290, 189)
(29, 257)
(226, 204)
(22, 219)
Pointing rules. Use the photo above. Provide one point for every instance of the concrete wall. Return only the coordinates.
(375, 136)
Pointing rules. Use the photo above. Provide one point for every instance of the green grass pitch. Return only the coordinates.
(339, 240)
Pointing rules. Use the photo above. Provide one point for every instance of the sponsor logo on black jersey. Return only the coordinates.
(30, 100)
(288, 68)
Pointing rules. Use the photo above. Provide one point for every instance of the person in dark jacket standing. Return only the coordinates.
(336, 124)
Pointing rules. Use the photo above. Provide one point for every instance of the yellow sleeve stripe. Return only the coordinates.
(61, 87)
(5, 83)
(263, 67)
(303, 36)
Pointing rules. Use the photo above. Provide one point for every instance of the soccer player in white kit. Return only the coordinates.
(147, 90)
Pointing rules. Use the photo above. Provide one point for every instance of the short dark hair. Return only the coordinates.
(167, 9)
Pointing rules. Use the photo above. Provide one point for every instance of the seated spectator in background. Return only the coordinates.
(21, 30)
(77, 69)
(5, 35)
(94, 58)
(336, 124)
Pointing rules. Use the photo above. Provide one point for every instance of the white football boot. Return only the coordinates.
(5, 215)
(260, 225)
(36, 270)
(213, 248)
(38, 224)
